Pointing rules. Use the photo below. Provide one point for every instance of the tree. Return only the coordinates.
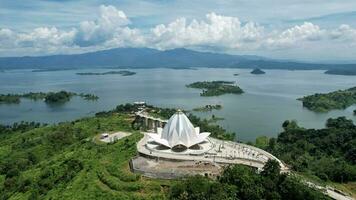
(272, 169)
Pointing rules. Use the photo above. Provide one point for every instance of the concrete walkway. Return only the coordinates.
(223, 152)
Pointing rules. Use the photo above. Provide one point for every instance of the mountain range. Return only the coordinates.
(152, 58)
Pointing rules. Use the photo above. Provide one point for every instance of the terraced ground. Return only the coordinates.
(65, 161)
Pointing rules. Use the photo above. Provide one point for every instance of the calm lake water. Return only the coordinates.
(268, 99)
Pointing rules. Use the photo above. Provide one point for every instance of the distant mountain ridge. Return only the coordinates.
(152, 58)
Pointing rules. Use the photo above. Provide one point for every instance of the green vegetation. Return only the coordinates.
(214, 119)
(257, 71)
(58, 97)
(328, 153)
(9, 98)
(62, 162)
(208, 108)
(165, 113)
(355, 112)
(91, 97)
(346, 72)
(216, 88)
(122, 73)
(49, 97)
(340, 99)
(204, 124)
(241, 182)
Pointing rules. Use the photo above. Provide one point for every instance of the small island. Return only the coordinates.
(52, 69)
(257, 71)
(215, 119)
(236, 74)
(340, 99)
(208, 108)
(345, 72)
(49, 97)
(183, 68)
(122, 73)
(216, 88)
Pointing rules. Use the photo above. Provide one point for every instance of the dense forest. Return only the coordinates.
(241, 182)
(328, 153)
(216, 88)
(340, 99)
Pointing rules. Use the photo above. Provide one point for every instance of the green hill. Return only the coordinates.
(66, 161)
(63, 162)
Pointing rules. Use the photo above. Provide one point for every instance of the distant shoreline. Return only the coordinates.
(122, 73)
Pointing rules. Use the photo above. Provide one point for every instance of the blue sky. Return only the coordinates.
(286, 29)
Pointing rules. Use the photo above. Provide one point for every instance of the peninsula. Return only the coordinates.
(48, 97)
(345, 72)
(216, 88)
(208, 108)
(340, 99)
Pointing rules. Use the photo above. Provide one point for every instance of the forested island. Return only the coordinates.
(48, 97)
(208, 108)
(122, 73)
(340, 99)
(345, 72)
(257, 71)
(216, 88)
(63, 161)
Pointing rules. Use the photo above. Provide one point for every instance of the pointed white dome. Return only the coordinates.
(179, 131)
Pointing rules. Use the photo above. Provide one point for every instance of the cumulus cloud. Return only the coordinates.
(344, 33)
(216, 30)
(46, 37)
(294, 36)
(113, 28)
(6, 38)
(111, 23)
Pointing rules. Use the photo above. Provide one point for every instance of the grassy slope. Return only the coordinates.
(105, 173)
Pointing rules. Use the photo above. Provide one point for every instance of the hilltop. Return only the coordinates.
(152, 58)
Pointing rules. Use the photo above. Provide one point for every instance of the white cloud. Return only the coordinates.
(112, 28)
(344, 33)
(294, 36)
(216, 30)
(45, 37)
(6, 38)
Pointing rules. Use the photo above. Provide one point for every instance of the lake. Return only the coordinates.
(268, 100)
